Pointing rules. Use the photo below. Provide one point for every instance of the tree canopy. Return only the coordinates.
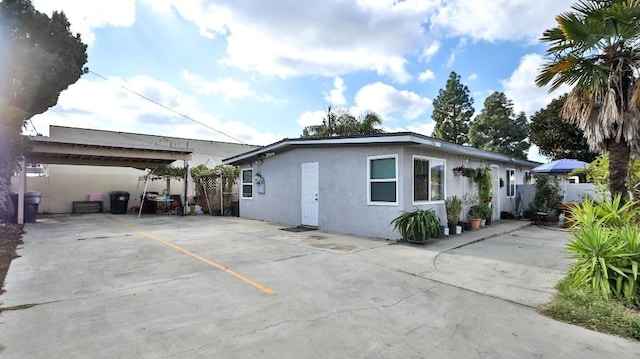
(40, 57)
(498, 129)
(595, 48)
(341, 122)
(556, 137)
(452, 111)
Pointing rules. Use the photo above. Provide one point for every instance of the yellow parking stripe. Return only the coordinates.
(194, 255)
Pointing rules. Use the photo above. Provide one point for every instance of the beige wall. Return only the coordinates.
(64, 184)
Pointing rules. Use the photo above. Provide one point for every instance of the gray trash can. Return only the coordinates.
(119, 201)
(31, 202)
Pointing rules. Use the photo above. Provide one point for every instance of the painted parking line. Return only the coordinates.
(193, 255)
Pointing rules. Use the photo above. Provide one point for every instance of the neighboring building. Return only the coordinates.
(61, 185)
(358, 184)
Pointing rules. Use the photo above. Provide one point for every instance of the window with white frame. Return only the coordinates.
(247, 183)
(382, 179)
(428, 179)
(511, 182)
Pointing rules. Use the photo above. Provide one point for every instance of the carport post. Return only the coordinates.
(22, 184)
(186, 183)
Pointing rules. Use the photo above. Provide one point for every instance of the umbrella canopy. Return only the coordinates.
(557, 167)
(564, 165)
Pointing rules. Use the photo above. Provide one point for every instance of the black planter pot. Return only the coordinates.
(417, 240)
(488, 222)
(228, 211)
(452, 228)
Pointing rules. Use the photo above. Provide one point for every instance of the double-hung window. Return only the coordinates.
(247, 183)
(382, 180)
(428, 179)
(511, 183)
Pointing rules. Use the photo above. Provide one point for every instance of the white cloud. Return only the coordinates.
(422, 128)
(427, 75)
(310, 118)
(520, 87)
(328, 38)
(498, 20)
(388, 101)
(336, 95)
(430, 50)
(228, 87)
(106, 105)
(534, 155)
(472, 77)
(452, 59)
(85, 17)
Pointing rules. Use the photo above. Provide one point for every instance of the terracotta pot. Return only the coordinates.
(475, 223)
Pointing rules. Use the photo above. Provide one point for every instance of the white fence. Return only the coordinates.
(572, 193)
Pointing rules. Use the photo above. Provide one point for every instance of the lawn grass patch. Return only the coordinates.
(592, 310)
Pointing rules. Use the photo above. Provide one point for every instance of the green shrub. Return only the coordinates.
(476, 211)
(547, 195)
(453, 206)
(606, 249)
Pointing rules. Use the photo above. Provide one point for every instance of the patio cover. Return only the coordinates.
(49, 150)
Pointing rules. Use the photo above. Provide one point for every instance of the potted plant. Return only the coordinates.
(258, 179)
(475, 215)
(459, 171)
(417, 226)
(487, 211)
(468, 200)
(453, 206)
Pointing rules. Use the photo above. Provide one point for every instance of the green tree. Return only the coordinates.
(452, 111)
(556, 137)
(498, 129)
(595, 48)
(40, 58)
(341, 122)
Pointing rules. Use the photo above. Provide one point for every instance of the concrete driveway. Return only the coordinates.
(107, 286)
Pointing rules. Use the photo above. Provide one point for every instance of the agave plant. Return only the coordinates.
(606, 249)
(597, 253)
(418, 225)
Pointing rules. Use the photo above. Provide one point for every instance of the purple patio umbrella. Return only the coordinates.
(562, 166)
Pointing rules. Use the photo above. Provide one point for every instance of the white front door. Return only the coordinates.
(310, 194)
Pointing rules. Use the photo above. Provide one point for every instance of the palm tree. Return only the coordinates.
(595, 48)
(341, 122)
(368, 123)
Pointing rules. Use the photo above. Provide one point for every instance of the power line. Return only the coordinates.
(34, 127)
(168, 108)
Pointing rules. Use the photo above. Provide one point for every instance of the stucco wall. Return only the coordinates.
(65, 184)
(342, 191)
(343, 188)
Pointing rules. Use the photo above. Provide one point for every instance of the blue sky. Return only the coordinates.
(258, 71)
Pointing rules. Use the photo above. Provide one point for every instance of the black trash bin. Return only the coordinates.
(31, 202)
(119, 201)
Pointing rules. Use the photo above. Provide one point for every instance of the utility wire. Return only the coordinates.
(168, 108)
(34, 127)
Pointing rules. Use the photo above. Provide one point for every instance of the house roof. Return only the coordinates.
(397, 138)
(78, 152)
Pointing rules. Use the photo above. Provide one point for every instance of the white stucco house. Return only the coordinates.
(357, 185)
